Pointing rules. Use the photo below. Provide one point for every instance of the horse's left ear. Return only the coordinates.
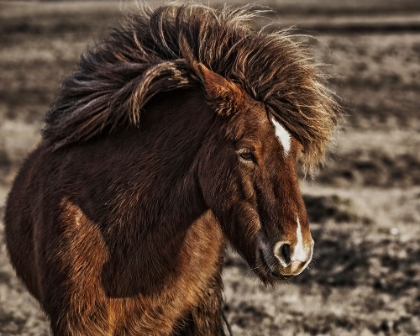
(226, 97)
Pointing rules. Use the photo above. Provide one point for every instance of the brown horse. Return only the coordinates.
(181, 131)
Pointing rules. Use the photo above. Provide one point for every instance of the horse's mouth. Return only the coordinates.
(268, 271)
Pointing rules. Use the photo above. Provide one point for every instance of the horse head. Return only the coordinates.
(248, 177)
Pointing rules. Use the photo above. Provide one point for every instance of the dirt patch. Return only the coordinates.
(333, 208)
(372, 169)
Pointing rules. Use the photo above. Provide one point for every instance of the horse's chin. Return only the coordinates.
(264, 271)
(261, 260)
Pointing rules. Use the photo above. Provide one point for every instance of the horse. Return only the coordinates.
(182, 131)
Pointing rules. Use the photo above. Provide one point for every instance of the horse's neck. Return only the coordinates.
(155, 196)
(160, 177)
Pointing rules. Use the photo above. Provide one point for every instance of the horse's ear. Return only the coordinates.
(225, 96)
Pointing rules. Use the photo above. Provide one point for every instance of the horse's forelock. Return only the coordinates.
(159, 51)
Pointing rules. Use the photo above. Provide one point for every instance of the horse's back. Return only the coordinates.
(32, 211)
(20, 217)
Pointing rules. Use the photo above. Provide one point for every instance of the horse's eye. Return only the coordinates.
(247, 155)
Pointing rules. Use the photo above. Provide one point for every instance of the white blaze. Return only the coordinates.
(299, 251)
(282, 134)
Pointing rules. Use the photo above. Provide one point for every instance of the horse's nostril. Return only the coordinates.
(285, 253)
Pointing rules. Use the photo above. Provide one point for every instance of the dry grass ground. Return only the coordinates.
(364, 205)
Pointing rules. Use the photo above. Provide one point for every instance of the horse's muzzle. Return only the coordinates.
(293, 260)
(284, 260)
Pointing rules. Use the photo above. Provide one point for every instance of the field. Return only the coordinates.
(364, 205)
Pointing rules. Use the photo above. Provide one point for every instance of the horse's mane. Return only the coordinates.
(159, 50)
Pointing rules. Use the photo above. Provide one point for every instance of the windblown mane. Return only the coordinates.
(159, 50)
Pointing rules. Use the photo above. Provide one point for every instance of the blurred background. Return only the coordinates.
(364, 205)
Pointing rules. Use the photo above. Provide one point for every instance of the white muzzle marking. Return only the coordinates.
(299, 250)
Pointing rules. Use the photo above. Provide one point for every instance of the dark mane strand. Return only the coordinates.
(158, 51)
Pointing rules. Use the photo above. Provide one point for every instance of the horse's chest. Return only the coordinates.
(199, 266)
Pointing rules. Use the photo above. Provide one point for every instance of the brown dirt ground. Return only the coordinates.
(364, 204)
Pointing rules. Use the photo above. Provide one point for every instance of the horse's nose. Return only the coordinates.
(282, 252)
(293, 259)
